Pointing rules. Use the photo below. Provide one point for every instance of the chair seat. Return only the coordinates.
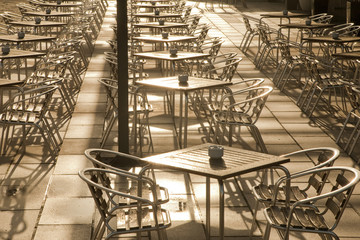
(161, 193)
(128, 219)
(304, 218)
(18, 117)
(233, 118)
(266, 192)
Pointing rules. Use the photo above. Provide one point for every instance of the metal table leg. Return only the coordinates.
(221, 209)
(207, 220)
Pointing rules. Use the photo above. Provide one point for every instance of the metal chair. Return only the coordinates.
(241, 109)
(322, 79)
(139, 109)
(122, 162)
(250, 33)
(350, 132)
(29, 109)
(287, 64)
(223, 73)
(206, 104)
(319, 213)
(267, 47)
(122, 206)
(264, 193)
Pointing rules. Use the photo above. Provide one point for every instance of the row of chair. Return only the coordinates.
(44, 101)
(325, 83)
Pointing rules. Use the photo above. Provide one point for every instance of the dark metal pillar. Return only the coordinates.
(122, 52)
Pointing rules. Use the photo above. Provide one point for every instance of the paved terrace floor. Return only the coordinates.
(48, 200)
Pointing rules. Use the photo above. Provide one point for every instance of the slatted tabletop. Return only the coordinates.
(305, 26)
(17, 53)
(41, 24)
(172, 83)
(157, 25)
(27, 38)
(347, 55)
(159, 38)
(282, 15)
(63, 4)
(165, 55)
(196, 160)
(330, 39)
(52, 14)
(161, 5)
(161, 15)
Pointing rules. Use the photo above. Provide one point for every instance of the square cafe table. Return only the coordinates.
(4, 84)
(195, 160)
(281, 15)
(159, 39)
(37, 26)
(303, 26)
(65, 16)
(166, 57)
(64, 5)
(28, 38)
(155, 6)
(159, 16)
(159, 28)
(172, 84)
(339, 42)
(18, 54)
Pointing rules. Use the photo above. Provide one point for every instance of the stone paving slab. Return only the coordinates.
(65, 210)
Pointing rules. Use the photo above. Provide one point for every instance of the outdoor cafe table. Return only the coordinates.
(159, 39)
(5, 84)
(62, 16)
(28, 38)
(155, 6)
(281, 15)
(153, 16)
(347, 55)
(166, 58)
(303, 26)
(172, 84)
(37, 26)
(66, 6)
(331, 42)
(159, 28)
(149, 1)
(17, 55)
(195, 160)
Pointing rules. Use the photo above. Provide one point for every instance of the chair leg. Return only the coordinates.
(343, 128)
(230, 135)
(267, 232)
(255, 133)
(253, 224)
(354, 137)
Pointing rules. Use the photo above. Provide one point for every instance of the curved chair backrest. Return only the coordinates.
(338, 27)
(202, 34)
(121, 203)
(251, 104)
(229, 70)
(322, 212)
(337, 197)
(321, 157)
(325, 156)
(103, 158)
(312, 17)
(350, 31)
(35, 99)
